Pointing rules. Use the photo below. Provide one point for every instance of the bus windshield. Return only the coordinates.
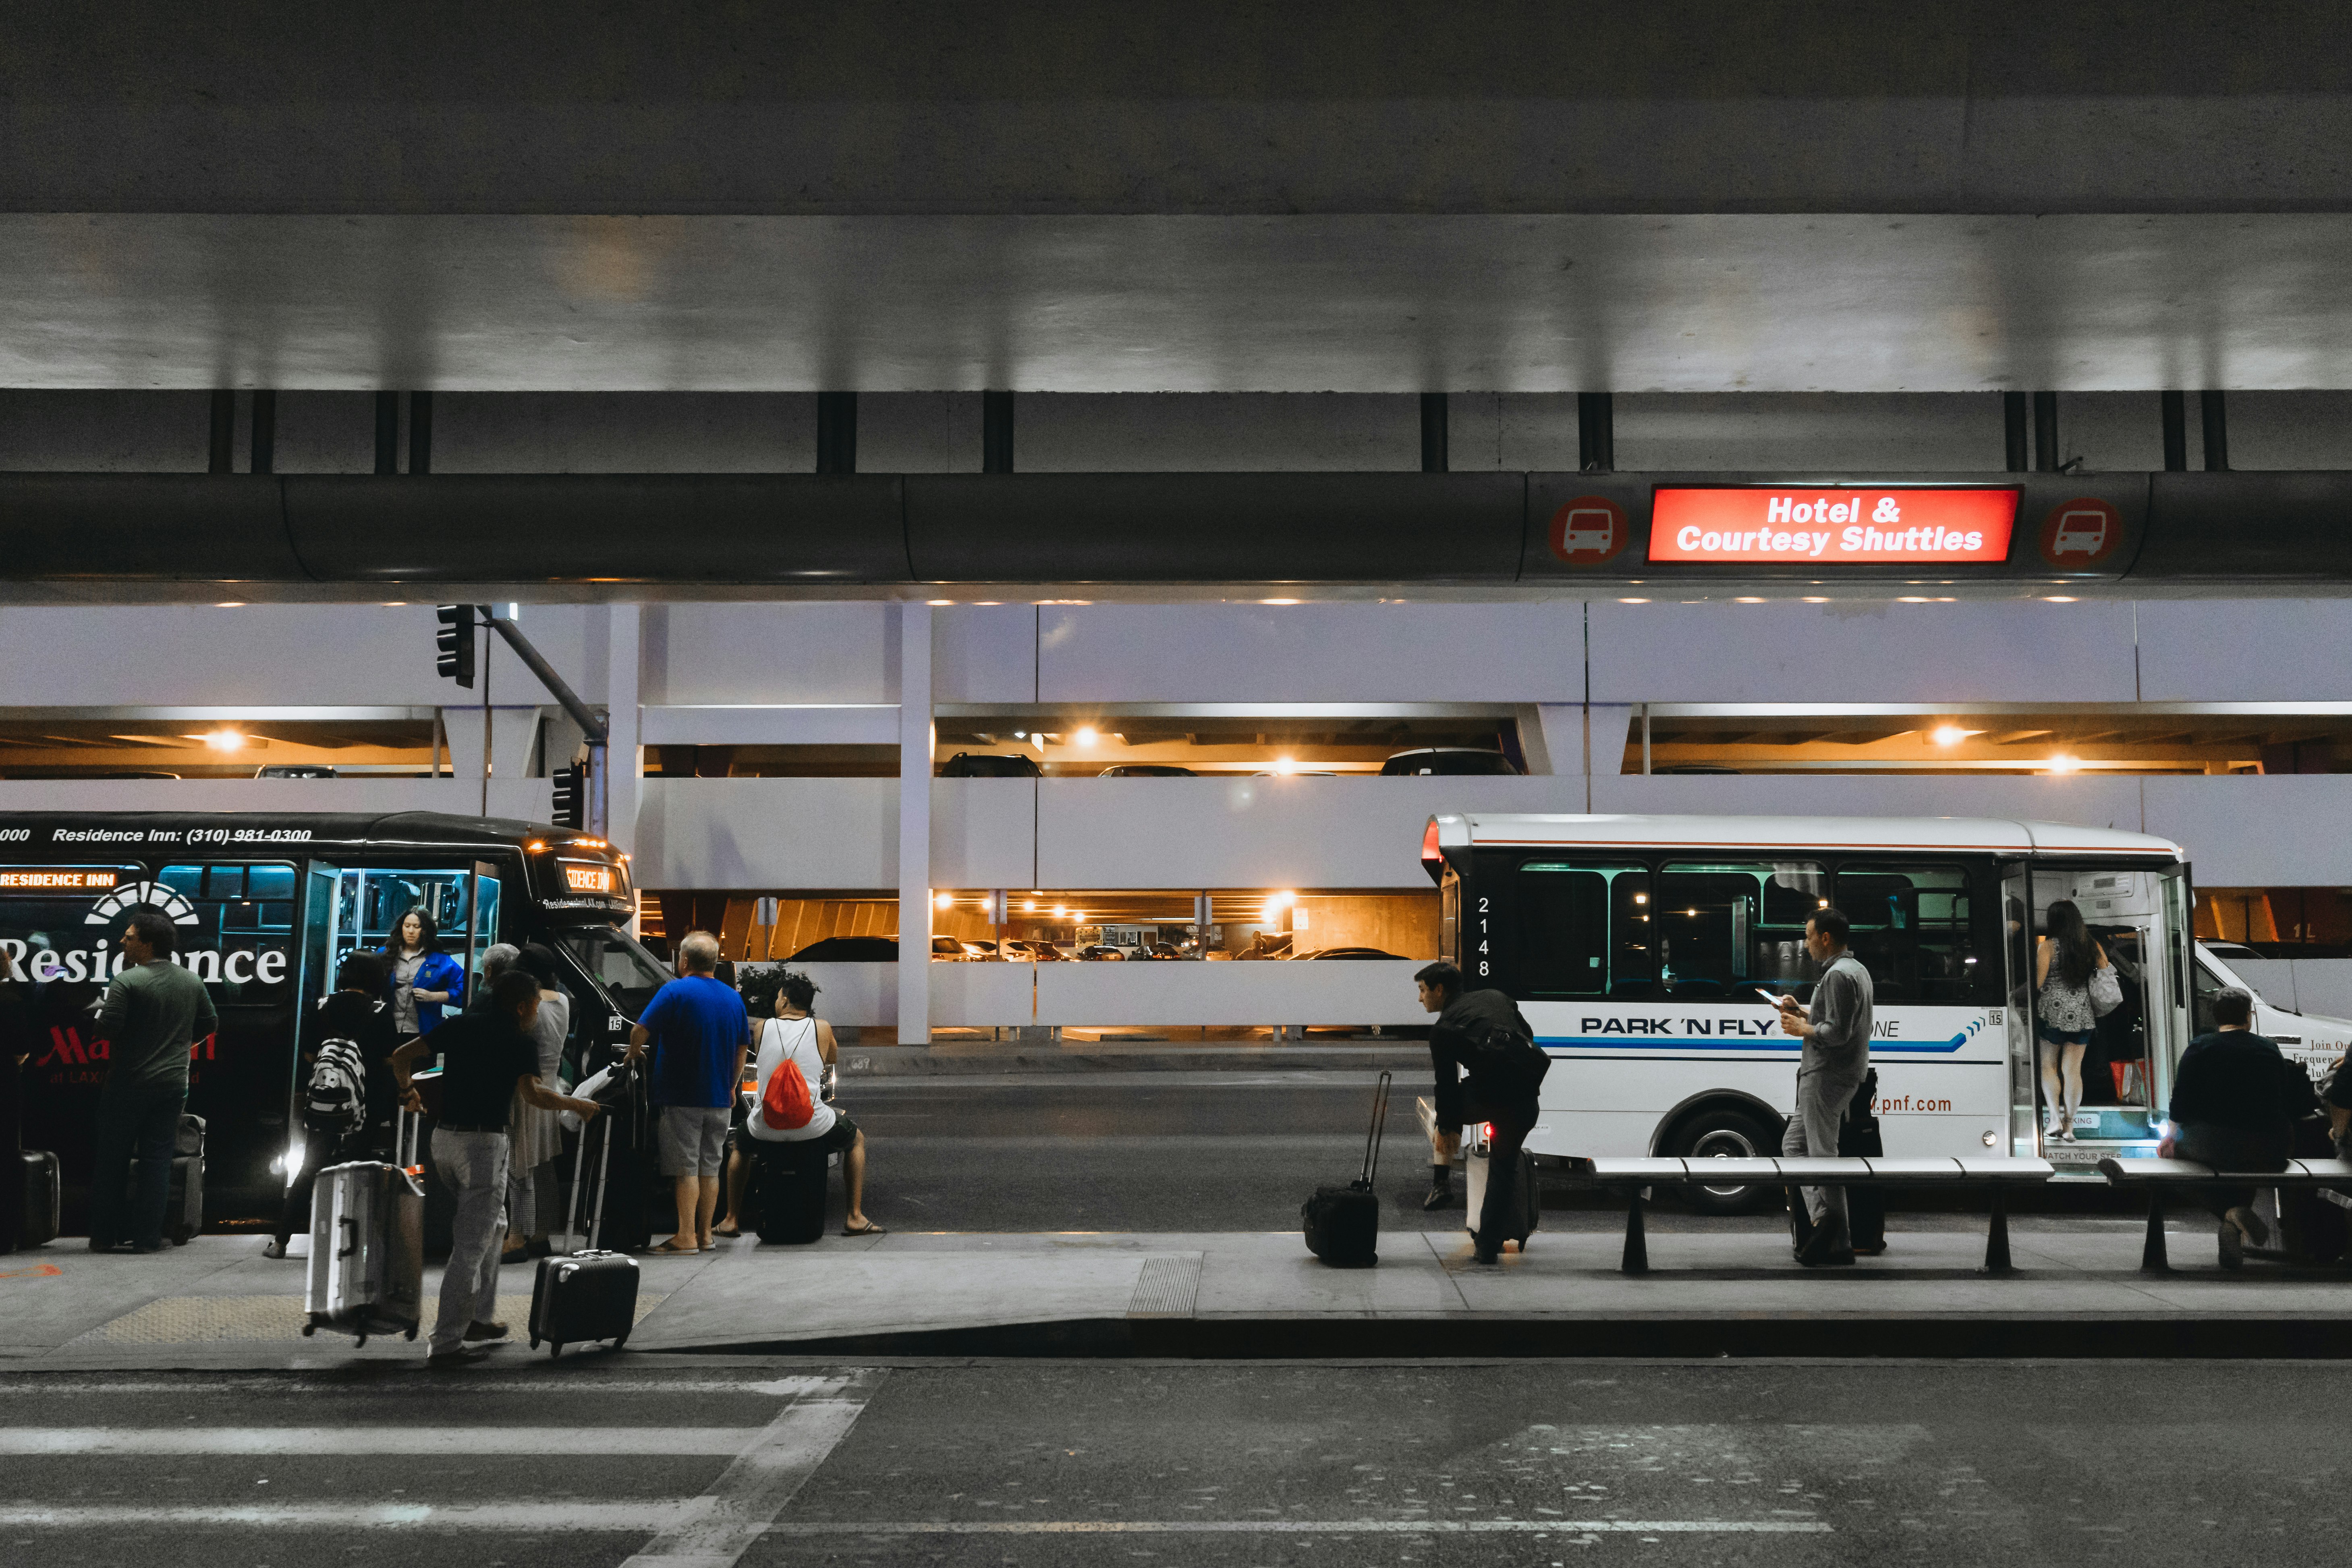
(629, 975)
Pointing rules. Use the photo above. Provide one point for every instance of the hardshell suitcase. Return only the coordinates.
(1342, 1224)
(1524, 1211)
(791, 1195)
(589, 1294)
(42, 1207)
(367, 1249)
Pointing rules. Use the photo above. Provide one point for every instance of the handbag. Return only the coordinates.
(2106, 991)
(2131, 1082)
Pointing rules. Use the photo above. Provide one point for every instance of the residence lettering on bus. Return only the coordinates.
(1834, 526)
(20, 878)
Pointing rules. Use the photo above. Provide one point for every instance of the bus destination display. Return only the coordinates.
(54, 879)
(1849, 525)
(582, 877)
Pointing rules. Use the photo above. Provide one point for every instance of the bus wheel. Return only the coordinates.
(1726, 1134)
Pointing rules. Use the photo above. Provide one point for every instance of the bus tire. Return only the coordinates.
(1727, 1132)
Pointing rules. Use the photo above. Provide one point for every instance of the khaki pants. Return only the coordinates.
(1814, 1133)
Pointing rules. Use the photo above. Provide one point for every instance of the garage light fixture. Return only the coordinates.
(1633, 601)
(1088, 735)
(1284, 765)
(942, 900)
(1950, 734)
(2064, 765)
(2058, 599)
(224, 740)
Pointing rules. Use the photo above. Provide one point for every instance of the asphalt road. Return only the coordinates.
(580, 1464)
(1178, 1151)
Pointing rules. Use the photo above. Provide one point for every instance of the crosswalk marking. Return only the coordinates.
(724, 1522)
(33, 1442)
(730, 1529)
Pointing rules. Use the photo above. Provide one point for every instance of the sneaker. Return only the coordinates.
(2257, 1230)
(273, 1249)
(463, 1355)
(2233, 1246)
(477, 1331)
(1440, 1196)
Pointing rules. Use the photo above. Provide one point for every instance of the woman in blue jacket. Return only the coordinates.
(423, 978)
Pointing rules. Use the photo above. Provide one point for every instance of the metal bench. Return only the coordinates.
(1632, 1176)
(2161, 1175)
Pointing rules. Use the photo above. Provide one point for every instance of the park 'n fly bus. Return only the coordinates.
(1642, 950)
(266, 907)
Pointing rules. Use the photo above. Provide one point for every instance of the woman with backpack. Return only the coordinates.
(796, 1113)
(347, 1099)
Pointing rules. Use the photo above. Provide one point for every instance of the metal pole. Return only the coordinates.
(599, 800)
(2045, 432)
(486, 718)
(592, 727)
(1433, 432)
(1596, 432)
(995, 432)
(420, 432)
(2175, 431)
(2012, 423)
(223, 457)
(264, 432)
(387, 432)
(2216, 431)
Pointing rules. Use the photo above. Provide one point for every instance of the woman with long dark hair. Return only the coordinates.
(2063, 1016)
(423, 978)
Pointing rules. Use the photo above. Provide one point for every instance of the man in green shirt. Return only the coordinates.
(154, 1012)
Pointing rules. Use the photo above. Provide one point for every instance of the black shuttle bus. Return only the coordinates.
(266, 906)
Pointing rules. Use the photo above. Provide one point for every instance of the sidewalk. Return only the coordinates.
(958, 1058)
(2077, 1292)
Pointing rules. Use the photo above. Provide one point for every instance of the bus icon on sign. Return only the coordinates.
(1588, 530)
(2083, 531)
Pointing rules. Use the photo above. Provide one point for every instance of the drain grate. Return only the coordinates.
(1167, 1287)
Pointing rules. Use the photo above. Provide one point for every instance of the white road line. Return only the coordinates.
(723, 1523)
(694, 1522)
(36, 1442)
(512, 1380)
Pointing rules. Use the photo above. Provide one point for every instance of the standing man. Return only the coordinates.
(699, 1033)
(488, 1059)
(1477, 1081)
(154, 1012)
(1836, 1032)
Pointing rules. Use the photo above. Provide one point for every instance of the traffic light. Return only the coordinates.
(572, 796)
(453, 644)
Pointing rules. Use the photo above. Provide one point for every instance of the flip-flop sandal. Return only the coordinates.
(871, 1230)
(676, 1251)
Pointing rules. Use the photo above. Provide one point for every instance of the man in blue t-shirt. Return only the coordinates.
(699, 1033)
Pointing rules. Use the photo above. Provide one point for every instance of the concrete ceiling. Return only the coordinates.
(1108, 303)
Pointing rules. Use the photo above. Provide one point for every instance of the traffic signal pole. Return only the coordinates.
(591, 725)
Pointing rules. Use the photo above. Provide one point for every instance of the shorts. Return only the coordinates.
(2051, 1037)
(692, 1139)
(835, 1140)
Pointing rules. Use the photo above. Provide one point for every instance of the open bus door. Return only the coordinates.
(2135, 915)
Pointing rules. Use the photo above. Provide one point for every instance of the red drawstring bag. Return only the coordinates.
(786, 1102)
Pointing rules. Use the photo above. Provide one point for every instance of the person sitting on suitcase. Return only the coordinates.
(700, 1035)
(1500, 1088)
(487, 1058)
(808, 1044)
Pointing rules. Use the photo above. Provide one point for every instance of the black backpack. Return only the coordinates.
(1501, 1061)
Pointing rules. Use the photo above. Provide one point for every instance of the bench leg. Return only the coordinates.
(1637, 1241)
(1997, 1233)
(2152, 1260)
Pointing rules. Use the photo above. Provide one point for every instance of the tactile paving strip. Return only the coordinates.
(1167, 1287)
(201, 1320)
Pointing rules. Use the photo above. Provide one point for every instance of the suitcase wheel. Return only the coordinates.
(555, 1349)
(409, 1334)
(534, 1341)
(619, 1342)
(310, 1329)
(360, 1343)
(179, 1241)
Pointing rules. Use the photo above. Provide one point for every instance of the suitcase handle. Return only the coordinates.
(350, 1226)
(1380, 1129)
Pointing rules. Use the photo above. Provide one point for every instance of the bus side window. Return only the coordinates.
(1726, 927)
(1576, 927)
(1913, 929)
(2204, 986)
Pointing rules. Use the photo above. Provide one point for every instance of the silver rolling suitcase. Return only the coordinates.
(367, 1245)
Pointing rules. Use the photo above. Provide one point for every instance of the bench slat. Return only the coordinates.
(1915, 1170)
(2001, 1168)
(1731, 1172)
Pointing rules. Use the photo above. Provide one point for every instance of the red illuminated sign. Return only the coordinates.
(1588, 530)
(2080, 532)
(1846, 525)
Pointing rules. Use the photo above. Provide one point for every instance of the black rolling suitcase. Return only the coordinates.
(184, 1208)
(1343, 1223)
(792, 1194)
(1523, 1206)
(591, 1294)
(43, 1211)
(1866, 1207)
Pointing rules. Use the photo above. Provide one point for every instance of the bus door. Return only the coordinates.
(2017, 950)
(2120, 1066)
(371, 901)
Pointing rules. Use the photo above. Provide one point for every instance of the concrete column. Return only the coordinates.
(625, 757)
(914, 823)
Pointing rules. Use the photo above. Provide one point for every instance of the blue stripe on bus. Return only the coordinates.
(1705, 1043)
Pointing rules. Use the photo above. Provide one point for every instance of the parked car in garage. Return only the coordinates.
(1101, 951)
(849, 950)
(989, 765)
(1349, 952)
(1146, 771)
(1446, 762)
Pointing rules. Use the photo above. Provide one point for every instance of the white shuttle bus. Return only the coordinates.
(1639, 948)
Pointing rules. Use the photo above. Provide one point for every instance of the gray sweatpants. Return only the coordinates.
(473, 1165)
(1814, 1133)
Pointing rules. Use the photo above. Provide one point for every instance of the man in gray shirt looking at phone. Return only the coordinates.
(1836, 1032)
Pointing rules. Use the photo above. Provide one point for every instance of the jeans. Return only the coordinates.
(140, 1123)
(1813, 1133)
(2228, 1149)
(473, 1166)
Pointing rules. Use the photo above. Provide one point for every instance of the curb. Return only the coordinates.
(998, 1061)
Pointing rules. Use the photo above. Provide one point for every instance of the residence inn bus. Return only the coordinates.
(1639, 948)
(266, 906)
